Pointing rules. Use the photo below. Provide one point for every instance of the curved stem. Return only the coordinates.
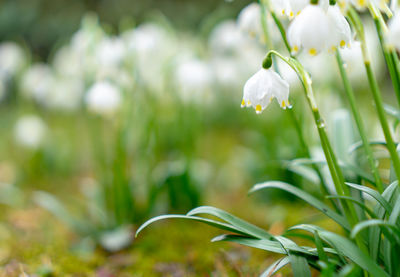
(355, 20)
(357, 118)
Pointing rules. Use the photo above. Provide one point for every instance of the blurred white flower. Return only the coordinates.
(30, 131)
(103, 98)
(69, 63)
(226, 39)
(249, 20)
(317, 29)
(110, 52)
(37, 82)
(393, 36)
(363, 4)
(290, 8)
(262, 88)
(152, 47)
(66, 94)
(193, 78)
(12, 59)
(227, 72)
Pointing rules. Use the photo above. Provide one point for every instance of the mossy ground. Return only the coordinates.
(34, 243)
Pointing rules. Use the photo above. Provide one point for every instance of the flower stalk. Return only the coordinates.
(391, 146)
(357, 118)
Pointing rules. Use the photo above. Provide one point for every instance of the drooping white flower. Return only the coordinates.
(12, 59)
(65, 94)
(318, 29)
(30, 131)
(193, 78)
(226, 39)
(290, 8)
(363, 4)
(110, 52)
(37, 82)
(262, 88)
(393, 36)
(249, 20)
(103, 98)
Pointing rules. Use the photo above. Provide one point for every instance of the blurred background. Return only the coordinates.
(112, 112)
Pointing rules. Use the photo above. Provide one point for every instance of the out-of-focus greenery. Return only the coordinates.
(42, 23)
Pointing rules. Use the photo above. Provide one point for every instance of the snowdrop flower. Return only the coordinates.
(290, 8)
(317, 29)
(37, 82)
(249, 20)
(262, 88)
(226, 39)
(12, 59)
(30, 131)
(193, 78)
(65, 94)
(363, 4)
(110, 52)
(103, 98)
(393, 36)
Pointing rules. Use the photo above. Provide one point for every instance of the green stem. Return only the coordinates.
(391, 146)
(357, 118)
(388, 54)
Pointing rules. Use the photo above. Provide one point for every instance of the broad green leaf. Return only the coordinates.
(240, 224)
(356, 201)
(347, 248)
(374, 194)
(214, 223)
(268, 245)
(377, 222)
(275, 267)
(299, 266)
(320, 247)
(306, 197)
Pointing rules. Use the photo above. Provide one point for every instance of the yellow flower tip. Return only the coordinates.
(258, 109)
(283, 105)
(248, 103)
(298, 13)
(283, 12)
(333, 49)
(270, 99)
(312, 51)
(342, 43)
(295, 49)
(243, 103)
(361, 3)
(291, 14)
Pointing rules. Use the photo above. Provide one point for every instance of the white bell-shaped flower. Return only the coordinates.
(393, 36)
(30, 131)
(103, 98)
(319, 29)
(290, 8)
(363, 4)
(249, 20)
(262, 88)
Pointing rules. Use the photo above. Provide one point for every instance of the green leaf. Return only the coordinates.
(268, 245)
(306, 197)
(275, 267)
(239, 224)
(374, 194)
(320, 248)
(214, 223)
(346, 248)
(299, 266)
(356, 201)
(377, 222)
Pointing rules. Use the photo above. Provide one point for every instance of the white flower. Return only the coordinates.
(249, 20)
(12, 59)
(290, 8)
(262, 88)
(393, 36)
(65, 94)
(363, 4)
(103, 98)
(37, 82)
(317, 29)
(193, 78)
(30, 131)
(110, 52)
(226, 39)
